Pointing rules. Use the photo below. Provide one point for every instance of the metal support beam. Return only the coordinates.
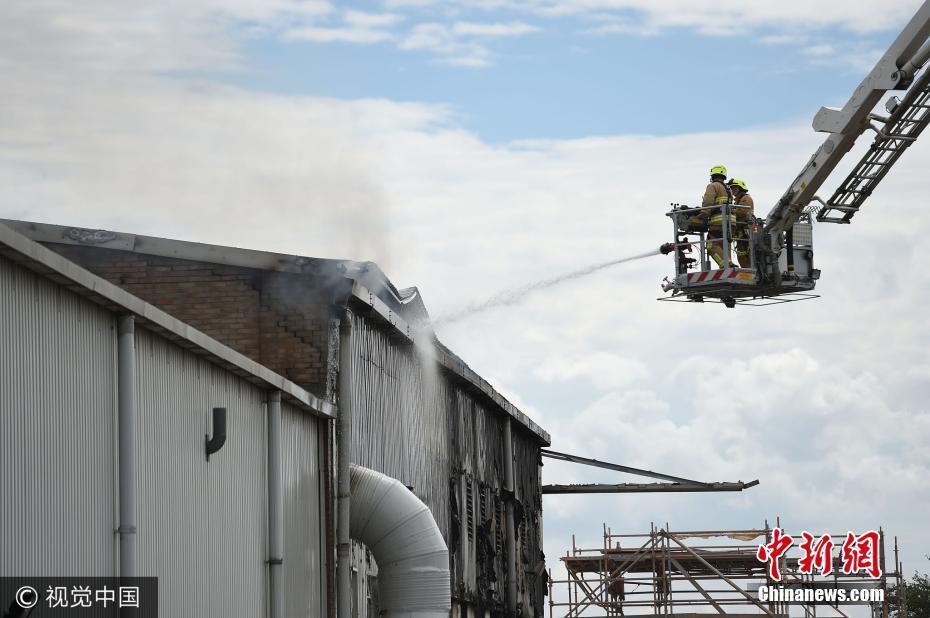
(717, 572)
(612, 466)
(630, 488)
(696, 585)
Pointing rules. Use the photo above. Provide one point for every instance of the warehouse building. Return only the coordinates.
(309, 358)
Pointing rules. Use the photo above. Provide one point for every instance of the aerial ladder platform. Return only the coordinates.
(780, 246)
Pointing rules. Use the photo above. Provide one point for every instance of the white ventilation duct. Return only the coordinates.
(399, 530)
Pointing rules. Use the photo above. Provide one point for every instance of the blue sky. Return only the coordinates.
(554, 77)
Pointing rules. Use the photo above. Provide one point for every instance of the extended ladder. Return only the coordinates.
(905, 123)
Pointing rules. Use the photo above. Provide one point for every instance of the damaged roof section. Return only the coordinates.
(406, 302)
(275, 308)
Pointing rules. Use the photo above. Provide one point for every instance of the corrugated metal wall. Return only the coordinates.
(57, 423)
(202, 525)
(413, 422)
(401, 418)
(303, 438)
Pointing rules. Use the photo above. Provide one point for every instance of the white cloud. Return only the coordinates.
(602, 369)
(450, 48)
(372, 20)
(470, 28)
(851, 56)
(428, 36)
(396, 4)
(782, 39)
(461, 43)
(362, 34)
(823, 49)
(356, 27)
(620, 25)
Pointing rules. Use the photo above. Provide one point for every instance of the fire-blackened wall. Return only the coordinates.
(433, 431)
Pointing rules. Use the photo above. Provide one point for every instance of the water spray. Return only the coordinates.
(513, 296)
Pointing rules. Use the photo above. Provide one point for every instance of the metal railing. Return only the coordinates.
(692, 228)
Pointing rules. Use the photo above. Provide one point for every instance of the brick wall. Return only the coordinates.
(278, 319)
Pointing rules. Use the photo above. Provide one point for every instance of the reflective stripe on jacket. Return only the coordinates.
(716, 194)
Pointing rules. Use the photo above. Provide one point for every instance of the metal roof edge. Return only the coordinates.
(368, 273)
(47, 263)
(170, 248)
(375, 307)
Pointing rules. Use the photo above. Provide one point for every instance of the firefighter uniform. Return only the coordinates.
(717, 193)
(743, 213)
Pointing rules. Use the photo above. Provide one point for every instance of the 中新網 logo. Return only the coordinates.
(858, 554)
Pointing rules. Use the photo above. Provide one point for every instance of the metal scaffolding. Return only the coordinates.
(658, 573)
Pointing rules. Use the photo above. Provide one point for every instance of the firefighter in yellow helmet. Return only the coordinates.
(744, 214)
(717, 193)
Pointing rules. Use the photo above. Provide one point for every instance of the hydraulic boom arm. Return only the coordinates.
(895, 71)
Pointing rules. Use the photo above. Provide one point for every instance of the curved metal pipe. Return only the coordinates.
(214, 444)
(412, 557)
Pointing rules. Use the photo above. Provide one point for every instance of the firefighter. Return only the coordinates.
(743, 213)
(717, 193)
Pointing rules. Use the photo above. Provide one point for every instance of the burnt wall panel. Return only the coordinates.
(531, 583)
(435, 433)
(400, 408)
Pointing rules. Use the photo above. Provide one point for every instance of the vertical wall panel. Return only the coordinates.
(401, 427)
(531, 583)
(303, 467)
(57, 411)
(415, 422)
(202, 525)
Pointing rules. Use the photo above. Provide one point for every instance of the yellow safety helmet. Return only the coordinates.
(739, 183)
(718, 170)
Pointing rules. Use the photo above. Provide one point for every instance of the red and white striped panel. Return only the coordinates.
(713, 275)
